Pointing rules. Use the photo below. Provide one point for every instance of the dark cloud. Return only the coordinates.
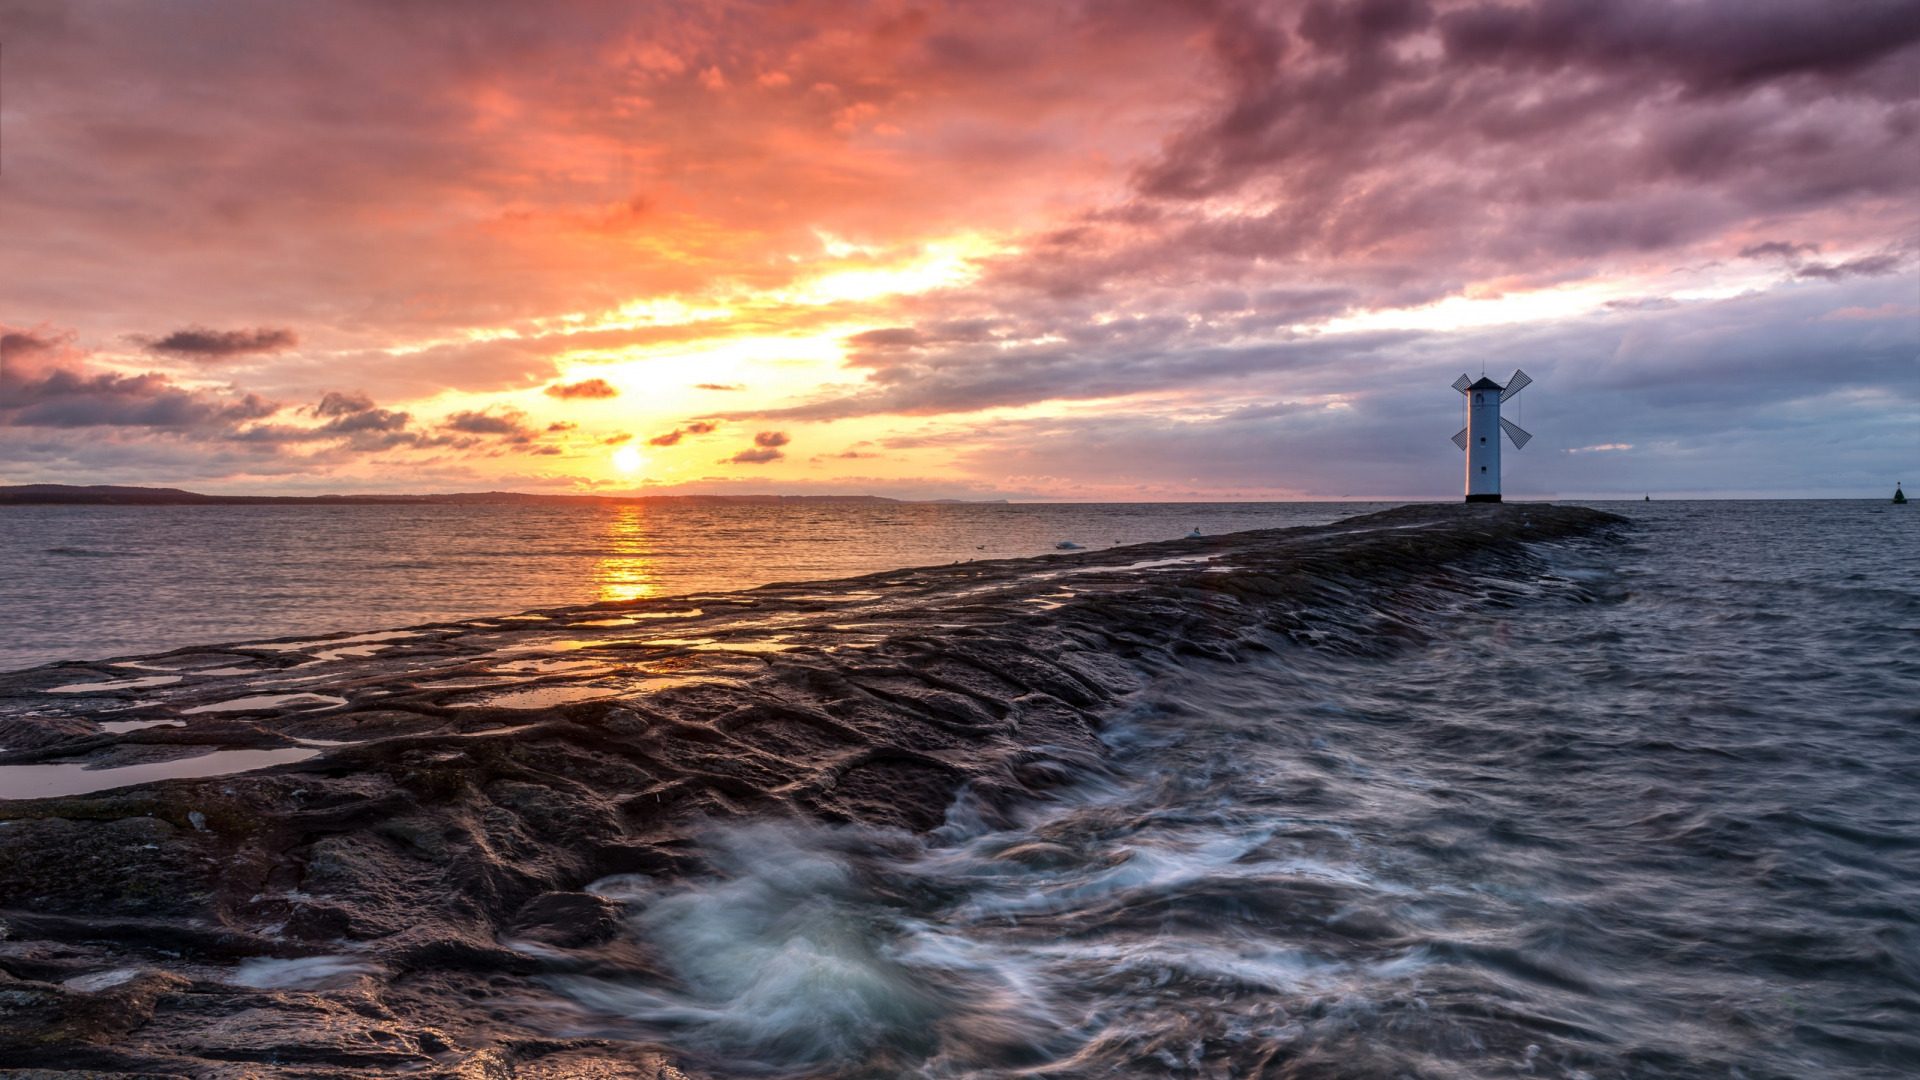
(756, 456)
(1866, 266)
(771, 439)
(1794, 256)
(672, 438)
(366, 420)
(64, 394)
(200, 343)
(586, 388)
(65, 398)
(1542, 134)
(616, 440)
(508, 423)
(1714, 45)
(18, 344)
(718, 386)
(1778, 249)
(337, 403)
(561, 425)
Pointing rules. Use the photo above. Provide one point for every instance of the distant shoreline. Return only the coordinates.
(107, 495)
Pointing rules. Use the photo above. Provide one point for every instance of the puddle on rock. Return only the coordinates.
(546, 667)
(357, 652)
(541, 697)
(295, 646)
(121, 727)
(548, 645)
(69, 778)
(766, 646)
(266, 701)
(115, 684)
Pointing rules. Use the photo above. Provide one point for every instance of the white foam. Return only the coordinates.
(785, 960)
(101, 980)
(301, 973)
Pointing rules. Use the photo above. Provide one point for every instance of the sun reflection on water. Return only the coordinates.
(628, 570)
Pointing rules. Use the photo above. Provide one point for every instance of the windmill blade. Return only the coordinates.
(1519, 382)
(1516, 433)
(1462, 383)
(1460, 440)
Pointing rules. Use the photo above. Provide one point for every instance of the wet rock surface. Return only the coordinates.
(388, 898)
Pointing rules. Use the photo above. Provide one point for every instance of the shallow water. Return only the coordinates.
(58, 779)
(1653, 816)
(90, 582)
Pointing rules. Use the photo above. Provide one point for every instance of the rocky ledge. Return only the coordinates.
(358, 856)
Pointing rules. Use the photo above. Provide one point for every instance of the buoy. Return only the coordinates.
(1066, 545)
(1899, 497)
(1195, 534)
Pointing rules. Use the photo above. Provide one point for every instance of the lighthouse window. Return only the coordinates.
(1483, 438)
(1483, 468)
(1479, 399)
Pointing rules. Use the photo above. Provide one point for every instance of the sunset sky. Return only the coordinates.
(1116, 250)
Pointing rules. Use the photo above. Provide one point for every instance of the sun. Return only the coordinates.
(628, 459)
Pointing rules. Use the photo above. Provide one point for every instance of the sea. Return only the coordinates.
(1655, 813)
(92, 582)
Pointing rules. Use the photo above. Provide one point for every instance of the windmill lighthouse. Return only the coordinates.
(1481, 437)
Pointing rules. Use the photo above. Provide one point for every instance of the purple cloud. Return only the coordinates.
(508, 423)
(202, 344)
(756, 456)
(64, 398)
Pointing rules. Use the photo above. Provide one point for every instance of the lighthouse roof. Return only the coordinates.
(1485, 384)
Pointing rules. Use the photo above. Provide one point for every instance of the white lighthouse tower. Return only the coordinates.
(1481, 437)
